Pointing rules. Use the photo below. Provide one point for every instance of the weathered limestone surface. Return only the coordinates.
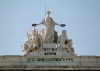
(44, 53)
(49, 45)
(36, 53)
(91, 62)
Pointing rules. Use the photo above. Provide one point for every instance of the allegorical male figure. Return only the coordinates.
(62, 40)
(48, 33)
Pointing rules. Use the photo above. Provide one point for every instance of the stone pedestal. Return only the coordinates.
(49, 45)
(33, 53)
(50, 53)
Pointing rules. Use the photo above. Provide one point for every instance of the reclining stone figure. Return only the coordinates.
(32, 43)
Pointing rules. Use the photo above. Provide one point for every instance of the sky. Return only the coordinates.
(82, 19)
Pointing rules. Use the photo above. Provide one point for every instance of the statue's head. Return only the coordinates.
(64, 32)
(48, 12)
(33, 31)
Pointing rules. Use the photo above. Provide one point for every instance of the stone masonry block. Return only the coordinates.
(49, 45)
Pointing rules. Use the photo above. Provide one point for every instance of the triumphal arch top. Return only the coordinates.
(48, 51)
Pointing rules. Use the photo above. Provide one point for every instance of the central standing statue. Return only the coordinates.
(48, 30)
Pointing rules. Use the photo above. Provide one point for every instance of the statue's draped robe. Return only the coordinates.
(49, 28)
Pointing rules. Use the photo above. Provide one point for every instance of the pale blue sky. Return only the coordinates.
(82, 19)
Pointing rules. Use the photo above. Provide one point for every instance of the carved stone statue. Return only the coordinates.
(63, 40)
(32, 43)
(70, 43)
(48, 30)
(47, 40)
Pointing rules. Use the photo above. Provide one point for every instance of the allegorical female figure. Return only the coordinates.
(48, 30)
(33, 41)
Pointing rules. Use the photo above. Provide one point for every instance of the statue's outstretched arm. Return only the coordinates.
(57, 24)
(62, 25)
(34, 25)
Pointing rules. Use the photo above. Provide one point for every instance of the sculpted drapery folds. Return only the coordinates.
(38, 44)
(47, 38)
(65, 43)
(32, 42)
(49, 28)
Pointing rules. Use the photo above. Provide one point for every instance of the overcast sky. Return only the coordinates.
(82, 19)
